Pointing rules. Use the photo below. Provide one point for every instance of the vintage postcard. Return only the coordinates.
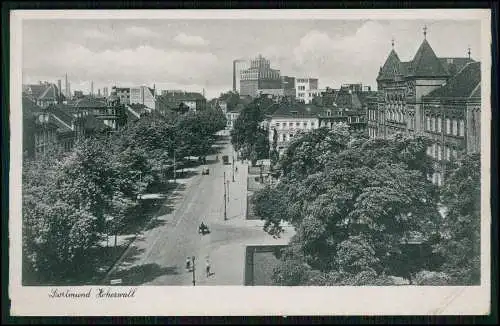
(250, 162)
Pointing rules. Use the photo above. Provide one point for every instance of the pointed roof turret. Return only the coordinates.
(426, 63)
(391, 67)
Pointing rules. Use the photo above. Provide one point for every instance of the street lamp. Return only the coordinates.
(233, 166)
(225, 209)
(194, 268)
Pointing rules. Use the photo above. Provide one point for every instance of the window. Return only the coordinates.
(312, 124)
(439, 124)
(304, 124)
(284, 137)
(433, 123)
(455, 127)
(447, 153)
(428, 123)
(448, 126)
(439, 152)
(462, 128)
(277, 124)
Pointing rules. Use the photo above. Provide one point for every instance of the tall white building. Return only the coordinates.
(238, 67)
(143, 95)
(306, 89)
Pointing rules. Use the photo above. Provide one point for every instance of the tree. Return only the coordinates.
(461, 227)
(355, 203)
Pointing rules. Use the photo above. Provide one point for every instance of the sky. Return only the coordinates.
(195, 54)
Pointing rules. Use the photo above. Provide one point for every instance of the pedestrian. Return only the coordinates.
(188, 264)
(207, 266)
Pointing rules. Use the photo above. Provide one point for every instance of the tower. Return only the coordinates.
(66, 87)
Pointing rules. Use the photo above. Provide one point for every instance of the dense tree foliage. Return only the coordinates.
(461, 228)
(355, 204)
(73, 201)
(248, 136)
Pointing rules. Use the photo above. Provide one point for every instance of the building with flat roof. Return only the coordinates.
(260, 75)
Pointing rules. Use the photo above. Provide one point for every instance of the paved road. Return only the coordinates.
(158, 256)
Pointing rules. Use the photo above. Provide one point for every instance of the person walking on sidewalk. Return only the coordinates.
(207, 266)
(188, 264)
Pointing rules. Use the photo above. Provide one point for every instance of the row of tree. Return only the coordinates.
(365, 210)
(72, 201)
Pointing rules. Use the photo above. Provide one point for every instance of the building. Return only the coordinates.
(108, 112)
(289, 119)
(452, 115)
(173, 100)
(105, 92)
(232, 116)
(288, 86)
(306, 89)
(143, 95)
(260, 75)
(43, 94)
(238, 67)
(431, 95)
(39, 133)
(123, 94)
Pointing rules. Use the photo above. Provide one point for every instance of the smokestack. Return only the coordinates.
(92, 88)
(66, 87)
(59, 91)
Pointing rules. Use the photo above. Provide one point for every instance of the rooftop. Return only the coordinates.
(295, 110)
(466, 83)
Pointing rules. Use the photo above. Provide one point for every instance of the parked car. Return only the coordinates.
(205, 171)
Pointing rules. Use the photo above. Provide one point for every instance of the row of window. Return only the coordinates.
(304, 124)
(372, 132)
(436, 178)
(452, 127)
(301, 88)
(439, 152)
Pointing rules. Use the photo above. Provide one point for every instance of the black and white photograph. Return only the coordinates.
(172, 151)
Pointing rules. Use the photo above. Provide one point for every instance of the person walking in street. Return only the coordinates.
(188, 264)
(207, 266)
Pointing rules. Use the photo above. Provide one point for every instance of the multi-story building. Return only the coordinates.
(306, 89)
(44, 94)
(232, 116)
(260, 75)
(289, 119)
(425, 95)
(142, 95)
(238, 67)
(171, 100)
(123, 93)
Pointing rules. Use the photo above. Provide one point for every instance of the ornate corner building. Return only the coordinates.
(439, 97)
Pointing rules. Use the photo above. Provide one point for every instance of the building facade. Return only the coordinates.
(260, 75)
(410, 100)
(44, 94)
(142, 95)
(238, 67)
(123, 93)
(288, 120)
(306, 89)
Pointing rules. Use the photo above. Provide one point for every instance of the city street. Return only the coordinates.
(158, 255)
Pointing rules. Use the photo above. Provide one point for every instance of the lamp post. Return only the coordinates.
(194, 268)
(233, 166)
(225, 210)
(174, 169)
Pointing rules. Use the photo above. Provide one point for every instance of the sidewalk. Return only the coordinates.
(226, 247)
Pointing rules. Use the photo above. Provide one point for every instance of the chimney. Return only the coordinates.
(59, 91)
(92, 88)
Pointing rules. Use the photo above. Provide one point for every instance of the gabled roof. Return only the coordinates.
(62, 112)
(426, 63)
(463, 84)
(30, 109)
(50, 93)
(454, 65)
(298, 110)
(94, 124)
(89, 102)
(391, 67)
